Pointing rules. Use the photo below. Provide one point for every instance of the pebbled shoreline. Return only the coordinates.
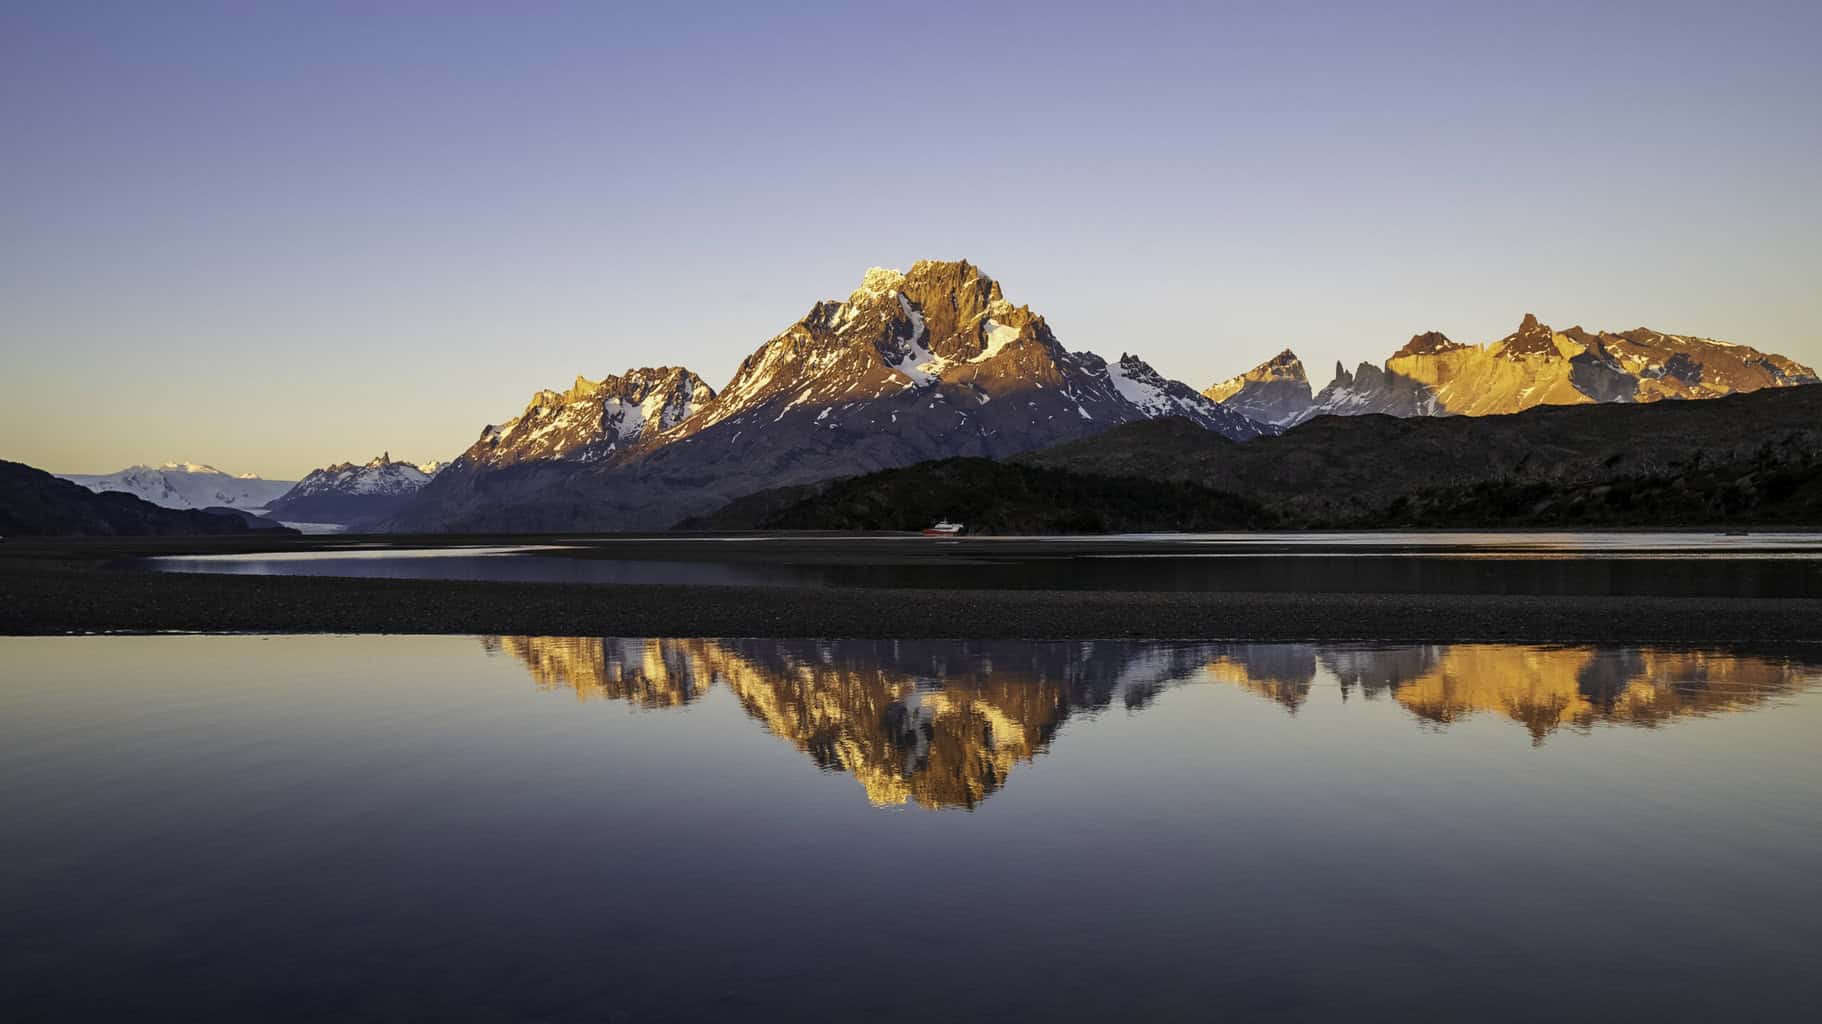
(40, 597)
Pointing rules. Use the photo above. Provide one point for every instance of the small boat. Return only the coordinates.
(943, 529)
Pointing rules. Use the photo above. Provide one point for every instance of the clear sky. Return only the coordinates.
(271, 236)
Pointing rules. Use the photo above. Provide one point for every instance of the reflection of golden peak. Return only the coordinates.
(930, 724)
(1542, 688)
(947, 747)
(1549, 688)
(1535, 686)
(1278, 672)
(640, 672)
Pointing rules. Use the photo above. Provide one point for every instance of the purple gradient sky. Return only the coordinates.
(271, 236)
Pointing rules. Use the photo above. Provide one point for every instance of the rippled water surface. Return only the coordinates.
(550, 828)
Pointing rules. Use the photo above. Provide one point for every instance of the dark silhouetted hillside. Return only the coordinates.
(33, 502)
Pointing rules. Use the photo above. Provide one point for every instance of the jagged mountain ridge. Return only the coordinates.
(349, 493)
(591, 420)
(926, 363)
(1432, 375)
(947, 330)
(186, 485)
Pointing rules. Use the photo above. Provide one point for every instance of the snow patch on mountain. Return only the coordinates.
(998, 337)
(917, 362)
(1141, 393)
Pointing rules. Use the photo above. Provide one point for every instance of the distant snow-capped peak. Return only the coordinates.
(378, 475)
(187, 467)
(186, 485)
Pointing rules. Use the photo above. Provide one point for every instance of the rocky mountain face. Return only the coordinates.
(1534, 365)
(929, 363)
(592, 420)
(1276, 391)
(33, 502)
(187, 485)
(349, 494)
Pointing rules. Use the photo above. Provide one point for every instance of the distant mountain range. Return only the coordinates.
(935, 363)
(928, 363)
(1534, 365)
(187, 485)
(344, 493)
(347, 493)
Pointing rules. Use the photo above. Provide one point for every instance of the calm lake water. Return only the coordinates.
(1674, 564)
(539, 828)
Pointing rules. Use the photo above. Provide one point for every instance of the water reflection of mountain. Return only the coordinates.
(943, 723)
(1550, 688)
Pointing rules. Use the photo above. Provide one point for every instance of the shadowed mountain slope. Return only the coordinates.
(1747, 459)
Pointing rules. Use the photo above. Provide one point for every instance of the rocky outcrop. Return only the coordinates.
(1372, 390)
(1429, 343)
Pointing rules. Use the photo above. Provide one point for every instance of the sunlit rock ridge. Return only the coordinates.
(1433, 375)
(932, 362)
(592, 420)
